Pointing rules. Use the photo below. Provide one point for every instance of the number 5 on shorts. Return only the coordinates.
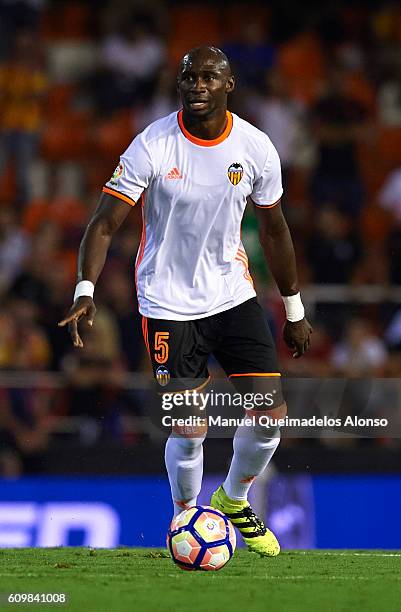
(161, 346)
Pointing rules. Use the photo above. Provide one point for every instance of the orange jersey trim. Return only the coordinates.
(142, 243)
(145, 333)
(243, 258)
(242, 252)
(200, 141)
(256, 374)
(119, 195)
(267, 205)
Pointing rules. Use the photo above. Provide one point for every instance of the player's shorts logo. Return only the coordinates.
(235, 173)
(117, 174)
(162, 376)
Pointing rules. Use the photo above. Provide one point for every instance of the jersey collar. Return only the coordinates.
(200, 141)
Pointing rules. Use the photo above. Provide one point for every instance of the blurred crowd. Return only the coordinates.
(78, 80)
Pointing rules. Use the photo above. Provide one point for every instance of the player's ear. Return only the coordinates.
(230, 84)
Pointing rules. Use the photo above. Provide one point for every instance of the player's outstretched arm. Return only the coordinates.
(105, 221)
(276, 241)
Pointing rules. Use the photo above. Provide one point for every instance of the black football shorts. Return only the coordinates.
(239, 338)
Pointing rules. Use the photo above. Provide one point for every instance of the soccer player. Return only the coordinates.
(193, 172)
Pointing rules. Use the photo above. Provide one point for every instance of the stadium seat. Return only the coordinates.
(192, 25)
(389, 146)
(72, 21)
(67, 137)
(232, 19)
(376, 224)
(35, 213)
(380, 157)
(65, 212)
(112, 136)
(58, 99)
(77, 21)
(358, 87)
(7, 184)
(301, 61)
(98, 173)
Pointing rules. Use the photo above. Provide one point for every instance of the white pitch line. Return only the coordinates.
(220, 576)
(346, 554)
(308, 577)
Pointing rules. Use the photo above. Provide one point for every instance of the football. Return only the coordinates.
(201, 538)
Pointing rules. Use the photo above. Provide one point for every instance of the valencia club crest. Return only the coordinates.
(162, 376)
(235, 173)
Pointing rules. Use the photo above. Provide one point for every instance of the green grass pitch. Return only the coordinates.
(146, 579)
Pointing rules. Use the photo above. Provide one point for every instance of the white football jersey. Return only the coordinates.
(191, 262)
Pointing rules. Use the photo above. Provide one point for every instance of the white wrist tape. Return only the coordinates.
(84, 288)
(294, 308)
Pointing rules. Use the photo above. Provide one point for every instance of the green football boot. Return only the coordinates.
(256, 535)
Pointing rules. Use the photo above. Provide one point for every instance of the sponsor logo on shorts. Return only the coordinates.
(235, 173)
(162, 376)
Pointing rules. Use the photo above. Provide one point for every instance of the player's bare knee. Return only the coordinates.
(279, 412)
(273, 414)
(191, 436)
(267, 423)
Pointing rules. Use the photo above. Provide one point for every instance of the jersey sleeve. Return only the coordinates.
(133, 173)
(268, 189)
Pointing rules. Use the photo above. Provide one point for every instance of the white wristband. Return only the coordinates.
(84, 287)
(294, 308)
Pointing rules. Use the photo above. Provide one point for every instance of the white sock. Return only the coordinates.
(253, 450)
(184, 463)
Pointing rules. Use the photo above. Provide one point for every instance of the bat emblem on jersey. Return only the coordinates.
(162, 376)
(235, 173)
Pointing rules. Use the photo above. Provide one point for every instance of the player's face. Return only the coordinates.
(203, 84)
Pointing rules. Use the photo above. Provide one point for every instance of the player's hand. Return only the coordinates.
(83, 308)
(297, 336)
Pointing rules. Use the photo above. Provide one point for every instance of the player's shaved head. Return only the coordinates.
(204, 81)
(208, 55)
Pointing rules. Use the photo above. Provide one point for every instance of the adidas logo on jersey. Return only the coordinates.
(174, 174)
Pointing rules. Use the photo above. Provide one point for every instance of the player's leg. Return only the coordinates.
(254, 446)
(179, 363)
(248, 356)
(184, 464)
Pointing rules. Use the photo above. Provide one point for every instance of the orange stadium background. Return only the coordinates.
(78, 80)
